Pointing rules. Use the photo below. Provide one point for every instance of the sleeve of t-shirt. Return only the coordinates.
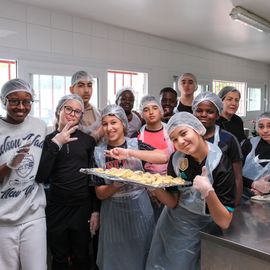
(224, 182)
(235, 153)
(246, 148)
(170, 171)
(145, 146)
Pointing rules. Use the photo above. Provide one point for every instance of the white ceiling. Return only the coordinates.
(204, 23)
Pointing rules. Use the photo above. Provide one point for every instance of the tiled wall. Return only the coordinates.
(47, 39)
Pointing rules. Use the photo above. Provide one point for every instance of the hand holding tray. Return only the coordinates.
(137, 177)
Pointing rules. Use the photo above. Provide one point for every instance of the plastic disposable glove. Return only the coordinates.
(118, 153)
(202, 184)
(64, 136)
(21, 152)
(94, 222)
(262, 185)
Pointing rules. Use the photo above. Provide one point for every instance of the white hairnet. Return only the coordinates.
(207, 96)
(66, 98)
(189, 75)
(118, 112)
(15, 85)
(265, 115)
(147, 100)
(122, 90)
(81, 76)
(227, 89)
(185, 119)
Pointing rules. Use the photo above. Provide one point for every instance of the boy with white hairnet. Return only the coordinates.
(125, 98)
(187, 84)
(22, 200)
(176, 241)
(71, 203)
(155, 134)
(126, 215)
(82, 85)
(207, 107)
(256, 151)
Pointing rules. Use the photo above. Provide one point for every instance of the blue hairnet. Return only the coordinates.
(207, 96)
(265, 115)
(145, 101)
(227, 89)
(122, 90)
(118, 112)
(81, 76)
(185, 119)
(15, 85)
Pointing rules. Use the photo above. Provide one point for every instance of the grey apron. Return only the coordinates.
(127, 222)
(176, 241)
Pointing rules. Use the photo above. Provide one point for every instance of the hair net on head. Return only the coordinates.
(81, 76)
(265, 115)
(66, 98)
(227, 89)
(207, 96)
(185, 119)
(118, 112)
(15, 85)
(122, 90)
(189, 75)
(147, 100)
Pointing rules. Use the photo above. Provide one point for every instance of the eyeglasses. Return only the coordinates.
(69, 110)
(17, 102)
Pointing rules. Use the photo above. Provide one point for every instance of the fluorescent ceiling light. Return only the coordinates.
(242, 15)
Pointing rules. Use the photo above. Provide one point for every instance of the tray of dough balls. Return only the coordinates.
(137, 177)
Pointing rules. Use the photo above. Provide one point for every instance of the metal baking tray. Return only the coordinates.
(93, 171)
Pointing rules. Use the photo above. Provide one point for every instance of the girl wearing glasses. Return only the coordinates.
(71, 203)
(22, 199)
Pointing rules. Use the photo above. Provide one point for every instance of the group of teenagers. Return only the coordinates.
(198, 138)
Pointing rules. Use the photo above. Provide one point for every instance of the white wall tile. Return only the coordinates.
(82, 25)
(38, 38)
(100, 30)
(62, 21)
(12, 33)
(82, 45)
(116, 33)
(12, 10)
(100, 48)
(62, 42)
(38, 16)
(115, 50)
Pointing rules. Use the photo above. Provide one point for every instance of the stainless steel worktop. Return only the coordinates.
(248, 235)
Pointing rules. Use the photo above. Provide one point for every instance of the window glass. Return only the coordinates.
(8, 70)
(241, 86)
(48, 91)
(118, 79)
(254, 99)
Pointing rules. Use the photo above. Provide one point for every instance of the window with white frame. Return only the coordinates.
(8, 70)
(241, 86)
(118, 79)
(48, 91)
(254, 99)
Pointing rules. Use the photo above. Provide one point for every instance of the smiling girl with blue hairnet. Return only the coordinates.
(176, 241)
(126, 215)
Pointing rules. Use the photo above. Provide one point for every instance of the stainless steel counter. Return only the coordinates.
(245, 245)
